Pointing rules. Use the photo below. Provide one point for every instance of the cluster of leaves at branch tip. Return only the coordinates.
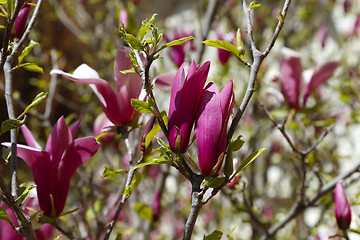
(151, 45)
(9, 124)
(32, 67)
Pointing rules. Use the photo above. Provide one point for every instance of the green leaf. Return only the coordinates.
(32, 217)
(239, 43)
(25, 193)
(141, 106)
(9, 124)
(32, 67)
(152, 162)
(237, 144)
(131, 70)
(26, 51)
(177, 42)
(3, 1)
(109, 172)
(143, 211)
(4, 216)
(10, 6)
(215, 235)
(253, 5)
(223, 45)
(214, 182)
(249, 160)
(149, 137)
(134, 42)
(134, 183)
(146, 26)
(38, 99)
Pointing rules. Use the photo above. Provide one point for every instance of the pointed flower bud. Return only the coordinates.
(342, 207)
(20, 21)
(185, 94)
(211, 121)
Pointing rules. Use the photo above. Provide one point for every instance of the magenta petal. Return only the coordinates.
(104, 92)
(77, 153)
(208, 125)
(164, 80)
(30, 140)
(60, 137)
(291, 80)
(176, 87)
(128, 85)
(342, 207)
(320, 76)
(74, 128)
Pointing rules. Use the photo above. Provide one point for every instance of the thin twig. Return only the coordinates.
(299, 206)
(213, 6)
(144, 74)
(68, 234)
(129, 179)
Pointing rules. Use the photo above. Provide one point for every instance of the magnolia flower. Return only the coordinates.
(101, 125)
(20, 21)
(54, 167)
(185, 94)
(156, 205)
(116, 106)
(177, 52)
(342, 207)
(291, 80)
(212, 116)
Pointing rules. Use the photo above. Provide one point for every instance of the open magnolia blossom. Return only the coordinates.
(53, 167)
(116, 105)
(185, 94)
(291, 79)
(342, 207)
(212, 116)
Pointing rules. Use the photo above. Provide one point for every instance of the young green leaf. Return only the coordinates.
(141, 106)
(134, 183)
(149, 137)
(146, 26)
(249, 160)
(131, 70)
(134, 42)
(177, 42)
(9, 124)
(143, 211)
(38, 99)
(26, 51)
(239, 43)
(10, 6)
(32, 67)
(214, 183)
(25, 194)
(253, 5)
(215, 235)
(109, 172)
(152, 162)
(223, 45)
(237, 144)
(4, 216)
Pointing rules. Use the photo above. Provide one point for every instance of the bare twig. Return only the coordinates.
(213, 6)
(68, 234)
(258, 57)
(299, 206)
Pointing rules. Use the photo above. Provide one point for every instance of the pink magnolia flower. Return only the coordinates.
(291, 80)
(212, 116)
(7, 232)
(185, 94)
(178, 52)
(156, 205)
(54, 167)
(342, 207)
(116, 106)
(20, 21)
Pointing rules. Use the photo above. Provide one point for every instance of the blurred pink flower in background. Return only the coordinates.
(342, 207)
(178, 52)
